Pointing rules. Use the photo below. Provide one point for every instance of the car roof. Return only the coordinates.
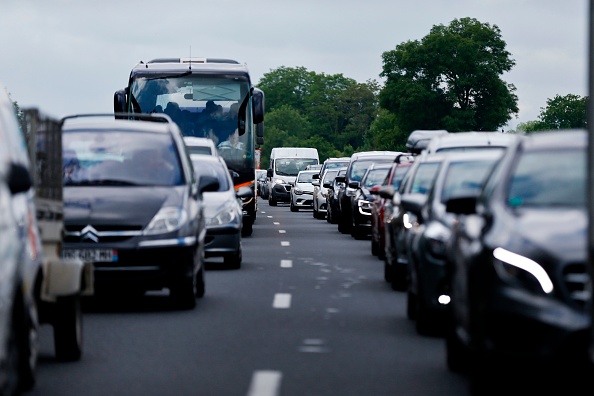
(469, 139)
(91, 122)
(556, 138)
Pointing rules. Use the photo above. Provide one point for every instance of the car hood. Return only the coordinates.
(117, 205)
(305, 186)
(560, 232)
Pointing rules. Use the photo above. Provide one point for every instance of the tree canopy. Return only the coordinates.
(450, 79)
(306, 109)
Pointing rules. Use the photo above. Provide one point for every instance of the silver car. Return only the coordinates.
(222, 211)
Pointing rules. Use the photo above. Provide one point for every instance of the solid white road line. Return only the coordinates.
(286, 263)
(265, 383)
(282, 300)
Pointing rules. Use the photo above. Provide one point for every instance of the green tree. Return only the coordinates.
(564, 112)
(337, 109)
(384, 134)
(450, 79)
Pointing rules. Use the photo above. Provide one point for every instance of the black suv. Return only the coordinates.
(133, 206)
(357, 167)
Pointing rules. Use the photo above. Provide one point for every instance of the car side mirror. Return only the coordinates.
(19, 178)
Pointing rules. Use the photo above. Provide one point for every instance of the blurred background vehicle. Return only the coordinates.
(222, 211)
(200, 145)
(133, 206)
(520, 287)
(334, 186)
(382, 207)
(285, 164)
(417, 180)
(461, 174)
(358, 164)
(320, 192)
(262, 183)
(302, 192)
(363, 199)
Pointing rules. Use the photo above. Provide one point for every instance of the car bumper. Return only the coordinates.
(221, 241)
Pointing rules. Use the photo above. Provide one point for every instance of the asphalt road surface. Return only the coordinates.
(308, 313)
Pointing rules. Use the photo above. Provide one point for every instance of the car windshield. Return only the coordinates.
(292, 166)
(562, 184)
(305, 177)
(112, 157)
(423, 178)
(214, 169)
(398, 175)
(375, 177)
(329, 175)
(465, 178)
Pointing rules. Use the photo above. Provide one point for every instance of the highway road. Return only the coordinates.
(309, 313)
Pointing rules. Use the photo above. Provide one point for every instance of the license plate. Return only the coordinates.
(93, 255)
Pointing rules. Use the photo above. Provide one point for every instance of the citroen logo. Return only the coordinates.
(89, 233)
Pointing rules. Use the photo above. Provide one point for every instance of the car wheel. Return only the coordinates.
(233, 260)
(398, 280)
(424, 323)
(387, 272)
(294, 208)
(374, 247)
(200, 284)
(271, 201)
(21, 354)
(457, 357)
(315, 213)
(67, 324)
(411, 305)
(247, 229)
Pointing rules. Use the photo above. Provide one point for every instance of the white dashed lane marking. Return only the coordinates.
(265, 383)
(286, 263)
(282, 301)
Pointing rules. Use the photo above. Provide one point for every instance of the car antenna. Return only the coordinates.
(190, 57)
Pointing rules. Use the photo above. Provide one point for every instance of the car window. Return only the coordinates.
(200, 150)
(465, 178)
(563, 183)
(424, 177)
(305, 177)
(215, 169)
(120, 158)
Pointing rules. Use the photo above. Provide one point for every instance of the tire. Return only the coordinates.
(271, 200)
(315, 214)
(387, 272)
(183, 292)
(411, 305)
(200, 284)
(233, 260)
(247, 229)
(398, 280)
(374, 247)
(294, 208)
(457, 356)
(67, 323)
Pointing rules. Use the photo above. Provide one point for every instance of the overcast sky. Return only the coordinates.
(70, 56)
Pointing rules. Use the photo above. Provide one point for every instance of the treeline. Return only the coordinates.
(450, 79)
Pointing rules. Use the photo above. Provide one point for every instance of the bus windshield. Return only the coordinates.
(202, 105)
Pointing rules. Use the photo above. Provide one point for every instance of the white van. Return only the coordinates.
(285, 163)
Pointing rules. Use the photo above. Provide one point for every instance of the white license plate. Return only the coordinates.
(94, 255)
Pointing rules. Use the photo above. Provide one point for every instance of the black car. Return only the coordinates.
(460, 174)
(518, 261)
(363, 199)
(334, 186)
(398, 223)
(358, 165)
(133, 206)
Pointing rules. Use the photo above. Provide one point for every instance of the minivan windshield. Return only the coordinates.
(113, 157)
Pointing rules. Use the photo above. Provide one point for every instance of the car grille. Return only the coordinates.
(577, 283)
(100, 233)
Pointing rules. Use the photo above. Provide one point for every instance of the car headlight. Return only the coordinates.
(298, 191)
(279, 181)
(166, 220)
(227, 214)
(515, 268)
(437, 236)
(364, 205)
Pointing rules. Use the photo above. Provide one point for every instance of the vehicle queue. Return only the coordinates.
(509, 269)
(490, 250)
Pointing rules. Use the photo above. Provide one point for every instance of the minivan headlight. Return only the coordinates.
(166, 220)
